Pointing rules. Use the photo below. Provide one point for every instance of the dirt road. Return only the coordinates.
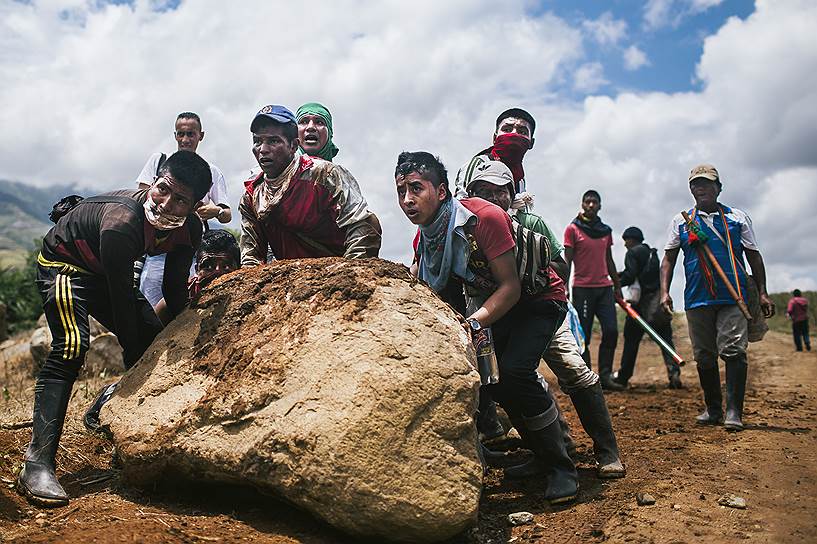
(772, 465)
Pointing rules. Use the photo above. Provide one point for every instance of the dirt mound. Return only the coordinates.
(343, 386)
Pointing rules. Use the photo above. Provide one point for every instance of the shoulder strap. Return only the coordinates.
(162, 159)
(115, 199)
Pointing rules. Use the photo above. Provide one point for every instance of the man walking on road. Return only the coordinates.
(641, 266)
(797, 311)
(717, 327)
(588, 242)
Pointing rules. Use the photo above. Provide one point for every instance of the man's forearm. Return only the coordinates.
(362, 240)
(758, 269)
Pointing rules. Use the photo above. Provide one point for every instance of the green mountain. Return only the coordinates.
(24, 217)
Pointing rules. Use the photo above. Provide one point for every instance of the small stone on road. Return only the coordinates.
(520, 518)
(644, 499)
(732, 501)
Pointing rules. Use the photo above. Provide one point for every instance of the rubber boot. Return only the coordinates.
(488, 425)
(711, 384)
(570, 446)
(592, 410)
(735, 391)
(551, 456)
(37, 480)
(91, 417)
(606, 356)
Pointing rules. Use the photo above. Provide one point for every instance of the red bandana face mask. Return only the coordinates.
(510, 148)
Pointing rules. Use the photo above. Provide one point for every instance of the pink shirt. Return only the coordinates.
(798, 309)
(589, 257)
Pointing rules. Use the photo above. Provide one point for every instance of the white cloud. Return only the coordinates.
(589, 77)
(698, 6)
(635, 58)
(89, 97)
(657, 13)
(606, 30)
(661, 13)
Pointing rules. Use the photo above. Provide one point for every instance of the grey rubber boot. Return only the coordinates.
(711, 384)
(736, 368)
(37, 480)
(592, 410)
(551, 460)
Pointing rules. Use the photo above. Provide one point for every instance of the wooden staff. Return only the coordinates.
(717, 267)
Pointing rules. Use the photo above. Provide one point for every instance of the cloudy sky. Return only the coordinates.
(628, 97)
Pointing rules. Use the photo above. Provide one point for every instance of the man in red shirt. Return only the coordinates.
(595, 282)
(472, 241)
(300, 206)
(797, 311)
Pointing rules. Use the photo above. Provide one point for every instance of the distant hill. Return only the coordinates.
(24, 217)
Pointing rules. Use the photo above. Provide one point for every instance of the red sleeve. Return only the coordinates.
(609, 240)
(569, 235)
(494, 231)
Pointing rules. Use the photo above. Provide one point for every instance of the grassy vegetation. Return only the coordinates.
(18, 292)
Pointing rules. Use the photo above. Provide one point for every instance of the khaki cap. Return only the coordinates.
(705, 171)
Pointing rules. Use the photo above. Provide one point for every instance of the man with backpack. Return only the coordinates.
(641, 267)
(493, 181)
(471, 242)
(85, 268)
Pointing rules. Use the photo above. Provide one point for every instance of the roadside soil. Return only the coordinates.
(772, 465)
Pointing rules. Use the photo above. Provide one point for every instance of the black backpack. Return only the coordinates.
(68, 203)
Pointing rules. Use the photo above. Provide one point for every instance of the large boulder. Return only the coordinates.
(345, 387)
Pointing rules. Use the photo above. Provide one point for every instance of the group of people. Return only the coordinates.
(125, 258)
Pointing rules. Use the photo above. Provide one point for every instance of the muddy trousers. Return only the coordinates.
(799, 331)
(69, 297)
(590, 303)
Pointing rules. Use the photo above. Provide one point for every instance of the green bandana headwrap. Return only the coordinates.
(329, 150)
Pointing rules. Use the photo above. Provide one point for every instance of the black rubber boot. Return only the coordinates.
(570, 446)
(91, 417)
(592, 410)
(552, 461)
(735, 391)
(711, 384)
(37, 480)
(606, 355)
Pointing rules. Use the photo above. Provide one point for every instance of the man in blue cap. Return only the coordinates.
(300, 207)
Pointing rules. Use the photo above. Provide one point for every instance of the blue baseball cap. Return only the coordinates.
(279, 114)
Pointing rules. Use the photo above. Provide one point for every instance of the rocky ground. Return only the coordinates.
(687, 469)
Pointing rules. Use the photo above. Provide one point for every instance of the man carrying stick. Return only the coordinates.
(714, 241)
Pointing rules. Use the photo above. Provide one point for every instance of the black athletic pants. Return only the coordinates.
(69, 297)
(520, 339)
(592, 302)
(649, 309)
(800, 332)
